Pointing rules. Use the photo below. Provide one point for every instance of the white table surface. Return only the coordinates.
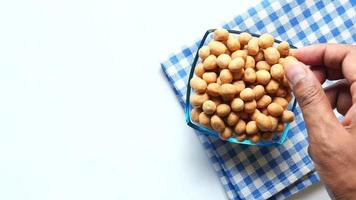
(85, 112)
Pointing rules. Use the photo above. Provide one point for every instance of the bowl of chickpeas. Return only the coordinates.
(237, 89)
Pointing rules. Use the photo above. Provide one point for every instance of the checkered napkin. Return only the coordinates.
(249, 172)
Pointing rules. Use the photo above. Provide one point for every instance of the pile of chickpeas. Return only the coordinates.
(240, 86)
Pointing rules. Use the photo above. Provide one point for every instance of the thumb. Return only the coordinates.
(317, 111)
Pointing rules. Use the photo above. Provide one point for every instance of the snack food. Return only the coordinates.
(240, 87)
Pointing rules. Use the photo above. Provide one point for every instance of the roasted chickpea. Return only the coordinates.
(217, 100)
(247, 94)
(239, 85)
(226, 133)
(238, 75)
(251, 127)
(223, 110)
(194, 114)
(250, 106)
(271, 55)
(264, 111)
(280, 127)
(267, 136)
(249, 75)
(281, 92)
(237, 105)
(218, 81)
(283, 49)
(255, 137)
(285, 81)
(260, 65)
(263, 122)
(255, 114)
(264, 101)
(288, 97)
(272, 87)
(259, 56)
(233, 43)
(288, 59)
(240, 127)
(210, 63)
(198, 99)
(204, 119)
(227, 91)
(199, 70)
(239, 53)
(217, 123)
(223, 61)
(277, 72)
(281, 101)
(287, 116)
(263, 77)
(275, 109)
(265, 40)
(244, 38)
(252, 47)
(225, 76)
(213, 89)
(209, 107)
(250, 62)
(204, 52)
(259, 91)
(232, 119)
(236, 64)
(274, 122)
(198, 84)
(209, 77)
(221, 34)
(241, 137)
(217, 48)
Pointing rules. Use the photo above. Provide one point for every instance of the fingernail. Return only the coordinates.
(295, 72)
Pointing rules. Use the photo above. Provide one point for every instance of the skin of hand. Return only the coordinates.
(332, 144)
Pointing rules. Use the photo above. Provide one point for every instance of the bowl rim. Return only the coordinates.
(211, 132)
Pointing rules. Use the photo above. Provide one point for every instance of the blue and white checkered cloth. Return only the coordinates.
(249, 172)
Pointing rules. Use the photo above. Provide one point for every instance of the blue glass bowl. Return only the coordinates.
(276, 140)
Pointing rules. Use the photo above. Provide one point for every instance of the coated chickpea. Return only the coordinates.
(255, 114)
(259, 56)
(209, 77)
(223, 61)
(260, 65)
(288, 97)
(239, 53)
(217, 48)
(217, 100)
(251, 127)
(198, 99)
(277, 71)
(288, 59)
(218, 81)
(226, 133)
(280, 127)
(252, 47)
(238, 75)
(204, 119)
(264, 101)
(265, 40)
(274, 122)
(275, 109)
(226, 76)
(221, 34)
(247, 94)
(267, 136)
(199, 70)
(281, 60)
(236, 64)
(198, 84)
(239, 85)
(271, 55)
(250, 62)
(213, 89)
(209, 107)
(194, 114)
(281, 101)
(264, 111)
(285, 81)
(217, 123)
(272, 87)
(281, 92)
(259, 91)
(204, 52)
(263, 77)
(237, 105)
(233, 43)
(241, 137)
(283, 48)
(244, 38)
(287, 116)
(263, 122)
(227, 91)
(232, 119)
(255, 138)
(249, 75)
(210, 63)
(250, 107)
(240, 127)
(223, 110)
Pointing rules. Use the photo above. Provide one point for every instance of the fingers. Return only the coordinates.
(317, 111)
(339, 96)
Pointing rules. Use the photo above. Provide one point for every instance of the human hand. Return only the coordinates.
(332, 144)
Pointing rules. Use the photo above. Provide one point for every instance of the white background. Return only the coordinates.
(85, 112)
